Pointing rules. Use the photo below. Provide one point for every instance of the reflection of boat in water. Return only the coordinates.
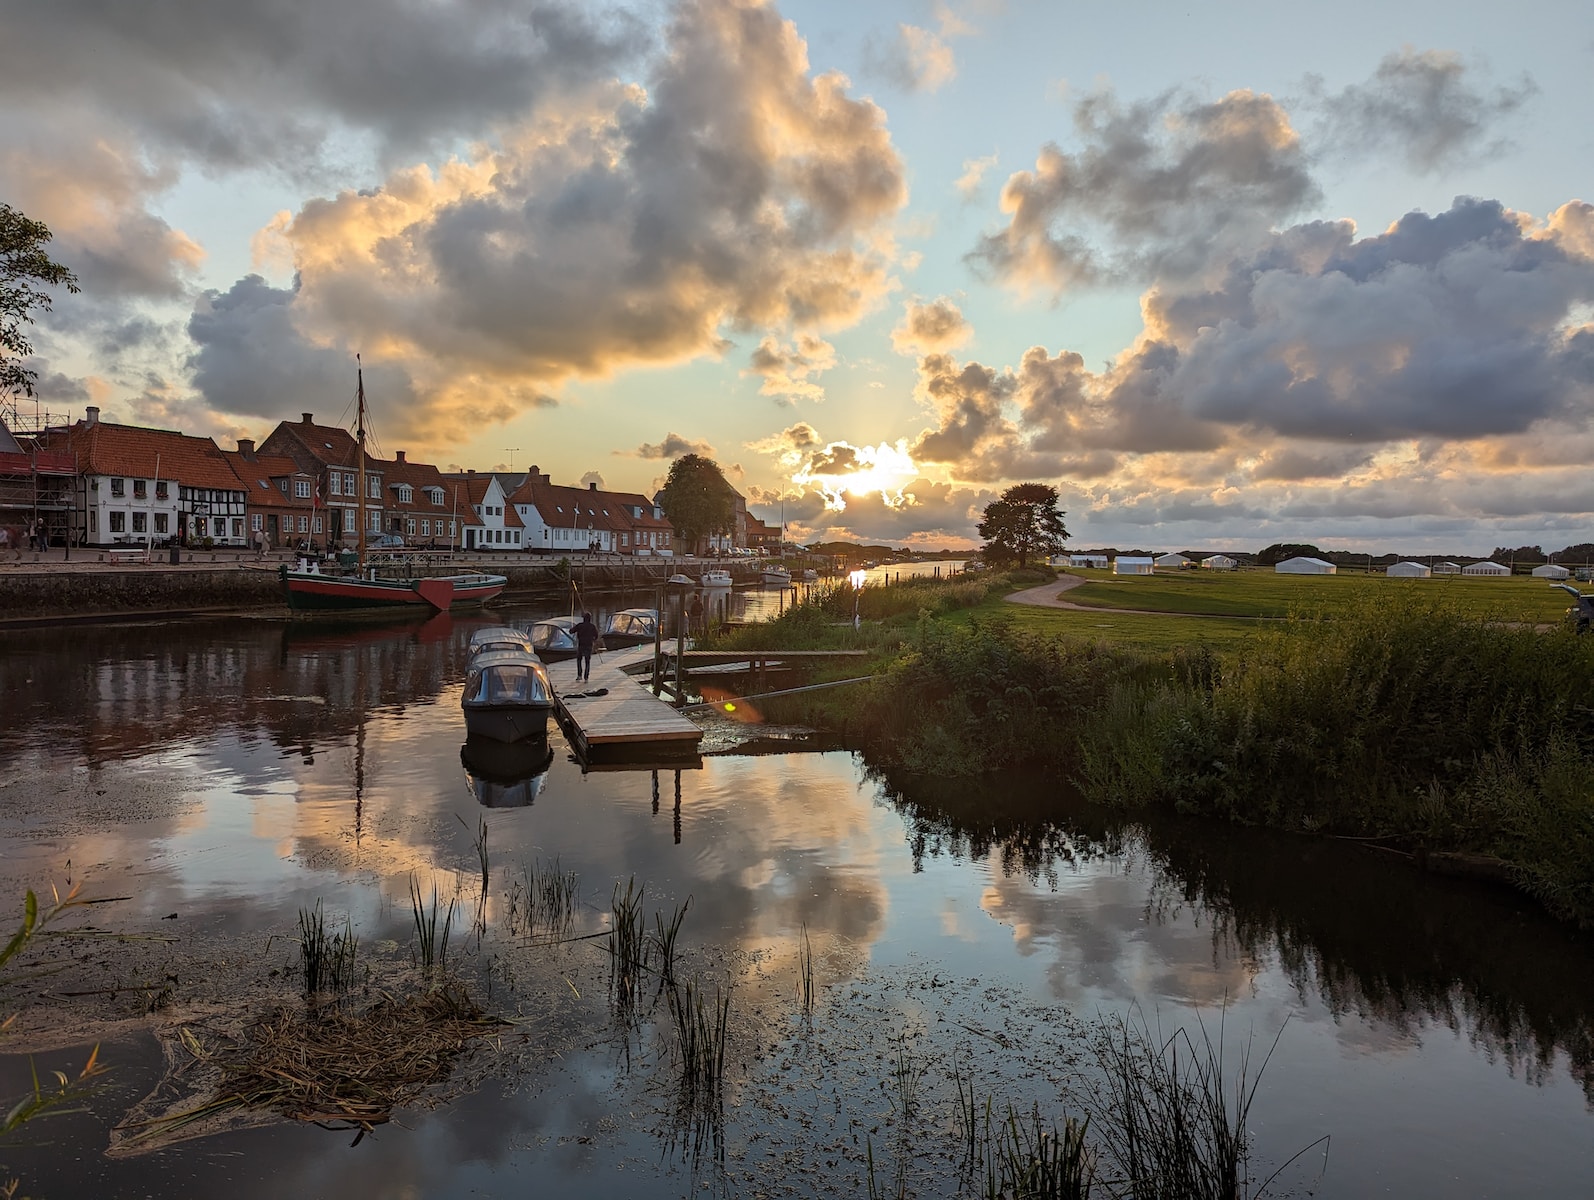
(630, 627)
(309, 590)
(553, 640)
(500, 637)
(507, 696)
(718, 577)
(779, 576)
(506, 774)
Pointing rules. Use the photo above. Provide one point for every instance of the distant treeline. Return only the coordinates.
(1581, 554)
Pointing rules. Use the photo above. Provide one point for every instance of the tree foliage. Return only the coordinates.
(697, 499)
(1280, 551)
(25, 271)
(1024, 523)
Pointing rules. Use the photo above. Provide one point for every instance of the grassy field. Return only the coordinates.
(1266, 594)
(1152, 631)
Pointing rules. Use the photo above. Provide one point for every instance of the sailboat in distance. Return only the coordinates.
(311, 590)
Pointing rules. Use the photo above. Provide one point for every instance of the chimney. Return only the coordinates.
(309, 418)
(91, 416)
(470, 472)
(592, 486)
(246, 448)
(532, 473)
(547, 481)
(400, 456)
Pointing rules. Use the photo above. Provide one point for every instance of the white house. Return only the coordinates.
(1088, 560)
(1551, 571)
(1408, 570)
(1219, 562)
(1127, 565)
(1485, 568)
(1304, 566)
(1172, 562)
(500, 525)
(1447, 568)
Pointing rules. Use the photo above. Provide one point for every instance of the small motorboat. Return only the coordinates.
(500, 637)
(553, 639)
(506, 775)
(717, 577)
(630, 627)
(507, 696)
(776, 575)
(810, 576)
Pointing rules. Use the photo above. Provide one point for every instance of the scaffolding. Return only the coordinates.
(35, 481)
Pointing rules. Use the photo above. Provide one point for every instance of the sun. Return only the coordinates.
(843, 470)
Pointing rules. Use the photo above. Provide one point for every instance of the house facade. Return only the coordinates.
(330, 457)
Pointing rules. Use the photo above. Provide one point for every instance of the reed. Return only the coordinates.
(431, 935)
(701, 1034)
(805, 973)
(665, 940)
(556, 893)
(328, 959)
(630, 951)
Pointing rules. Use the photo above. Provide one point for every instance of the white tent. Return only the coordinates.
(1551, 571)
(1123, 565)
(1304, 566)
(1447, 568)
(1088, 560)
(1485, 568)
(1409, 570)
(1219, 562)
(1173, 562)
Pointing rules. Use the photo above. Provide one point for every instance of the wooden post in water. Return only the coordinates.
(658, 645)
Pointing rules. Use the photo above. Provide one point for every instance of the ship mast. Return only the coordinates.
(360, 428)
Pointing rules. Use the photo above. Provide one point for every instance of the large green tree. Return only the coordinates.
(1024, 523)
(697, 499)
(25, 271)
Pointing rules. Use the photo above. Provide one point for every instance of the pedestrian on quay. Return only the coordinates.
(586, 634)
(694, 615)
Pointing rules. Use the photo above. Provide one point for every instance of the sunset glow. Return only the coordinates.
(859, 471)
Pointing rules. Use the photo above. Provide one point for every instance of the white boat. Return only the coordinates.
(507, 696)
(810, 576)
(554, 639)
(500, 637)
(630, 627)
(779, 576)
(717, 577)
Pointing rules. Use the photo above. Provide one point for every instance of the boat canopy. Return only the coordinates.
(507, 677)
(499, 637)
(554, 634)
(632, 622)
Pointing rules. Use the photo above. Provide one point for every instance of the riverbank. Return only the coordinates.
(1397, 718)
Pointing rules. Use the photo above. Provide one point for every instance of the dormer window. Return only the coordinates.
(436, 495)
(405, 493)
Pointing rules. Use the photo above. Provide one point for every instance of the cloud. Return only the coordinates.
(591, 478)
(672, 447)
(938, 325)
(918, 59)
(974, 169)
(1168, 185)
(1427, 106)
(786, 368)
(739, 191)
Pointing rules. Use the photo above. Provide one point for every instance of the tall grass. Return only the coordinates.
(630, 952)
(433, 926)
(805, 974)
(1009, 1156)
(328, 959)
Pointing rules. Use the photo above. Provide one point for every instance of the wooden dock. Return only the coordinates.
(628, 721)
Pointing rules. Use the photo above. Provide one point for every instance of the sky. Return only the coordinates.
(1224, 276)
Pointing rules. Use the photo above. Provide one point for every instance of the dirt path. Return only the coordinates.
(1049, 595)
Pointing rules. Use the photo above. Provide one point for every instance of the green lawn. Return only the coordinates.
(1263, 593)
(1146, 631)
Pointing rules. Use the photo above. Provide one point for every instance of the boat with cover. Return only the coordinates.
(630, 627)
(777, 575)
(507, 696)
(500, 637)
(308, 589)
(553, 639)
(716, 577)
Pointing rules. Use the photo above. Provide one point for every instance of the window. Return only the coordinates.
(451, 528)
(93, 520)
(334, 483)
(160, 522)
(304, 524)
(410, 527)
(283, 484)
(140, 522)
(316, 524)
(348, 485)
(373, 522)
(118, 486)
(255, 522)
(426, 527)
(237, 527)
(406, 493)
(161, 492)
(301, 488)
(140, 489)
(436, 494)
(118, 522)
(373, 487)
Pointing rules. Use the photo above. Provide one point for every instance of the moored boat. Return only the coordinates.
(630, 627)
(554, 639)
(777, 575)
(716, 577)
(507, 696)
(810, 576)
(500, 637)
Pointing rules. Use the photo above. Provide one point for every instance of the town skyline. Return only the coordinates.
(1221, 284)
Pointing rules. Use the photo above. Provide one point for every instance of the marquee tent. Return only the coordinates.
(1304, 566)
(1409, 570)
(1131, 566)
(1551, 571)
(1485, 568)
(1219, 562)
(1172, 562)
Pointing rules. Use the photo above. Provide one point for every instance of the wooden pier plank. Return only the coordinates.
(628, 715)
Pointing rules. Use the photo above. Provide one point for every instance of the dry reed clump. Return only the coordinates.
(342, 1069)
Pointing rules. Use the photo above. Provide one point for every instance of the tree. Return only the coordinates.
(25, 270)
(1280, 551)
(697, 499)
(1025, 523)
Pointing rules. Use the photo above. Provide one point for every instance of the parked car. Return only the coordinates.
(385, 541)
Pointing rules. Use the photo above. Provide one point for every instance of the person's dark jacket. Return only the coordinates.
(586, 633)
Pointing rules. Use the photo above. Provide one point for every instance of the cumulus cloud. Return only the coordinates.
(739, 191)
(1427, 106)
(672, 447)
(1165, 186)
(592, 478)
(938, 325)
(974, 169)
(785, 368)
(916, 59)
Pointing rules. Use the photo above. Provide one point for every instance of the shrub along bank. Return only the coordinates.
(1398, 719)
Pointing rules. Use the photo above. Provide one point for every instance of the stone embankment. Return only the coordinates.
(38, 589)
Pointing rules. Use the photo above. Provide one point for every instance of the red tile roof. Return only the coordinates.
(104, 448)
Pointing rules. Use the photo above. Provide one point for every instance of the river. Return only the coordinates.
(224, 774)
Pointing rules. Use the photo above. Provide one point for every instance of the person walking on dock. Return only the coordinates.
(586, 634)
